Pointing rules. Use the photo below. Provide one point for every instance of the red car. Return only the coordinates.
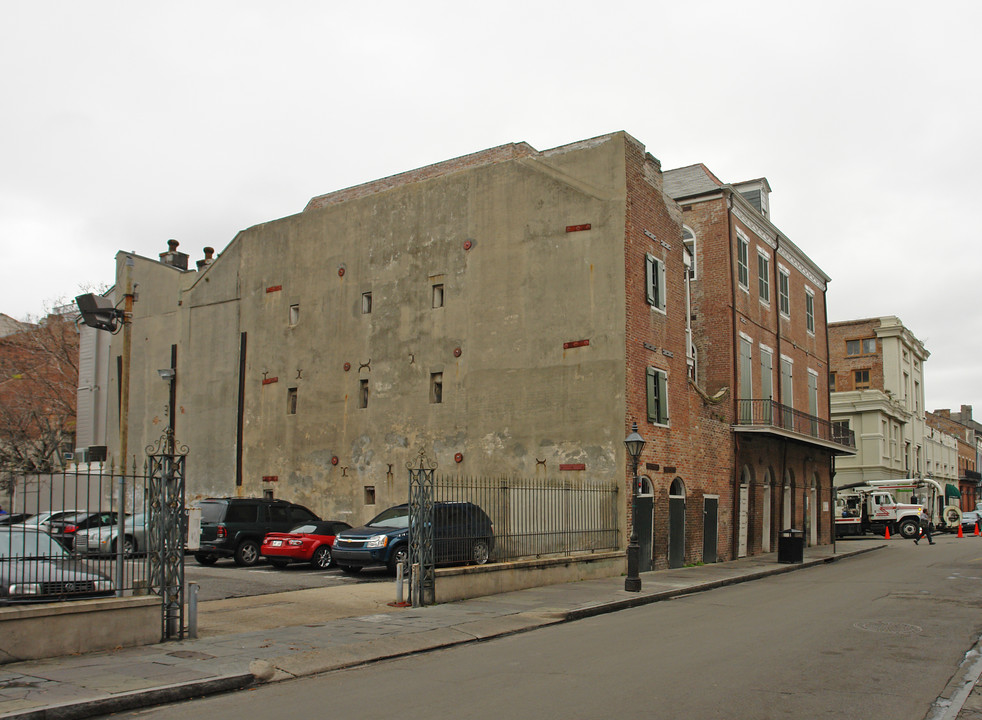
(310, 542)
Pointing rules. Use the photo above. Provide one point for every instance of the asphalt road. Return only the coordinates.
(877, 636)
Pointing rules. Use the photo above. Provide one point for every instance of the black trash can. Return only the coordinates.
(791, 546)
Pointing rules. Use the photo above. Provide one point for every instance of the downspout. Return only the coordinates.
(735, 509)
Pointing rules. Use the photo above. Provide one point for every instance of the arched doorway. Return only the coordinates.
(743, 512)
(787, 521)
(645, 523)
(768, 510)
(676, 524)
(813, 510)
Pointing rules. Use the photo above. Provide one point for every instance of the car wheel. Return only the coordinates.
(278, 562)
(400, 556)
(205, 559)
(321, 558)
(350, 569)
(481, 552)
(247, 553)
(909, 528)
(129, 546)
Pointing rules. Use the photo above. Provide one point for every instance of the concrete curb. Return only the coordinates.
(135, 699)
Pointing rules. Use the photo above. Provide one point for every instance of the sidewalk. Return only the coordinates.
(246, 641)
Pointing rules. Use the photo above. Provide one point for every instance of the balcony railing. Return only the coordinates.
(767, 413)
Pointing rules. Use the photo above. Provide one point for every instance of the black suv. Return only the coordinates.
(462, 533)
(235, 527)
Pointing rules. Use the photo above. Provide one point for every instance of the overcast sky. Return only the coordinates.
(127, 123)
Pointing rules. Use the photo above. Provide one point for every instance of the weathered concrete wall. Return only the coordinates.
(31, 632)
(517, 287)
(460, 583)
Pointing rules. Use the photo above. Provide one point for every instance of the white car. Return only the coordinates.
(102, 540)
(42, 521)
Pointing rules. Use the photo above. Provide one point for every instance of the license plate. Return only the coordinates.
(276, 543)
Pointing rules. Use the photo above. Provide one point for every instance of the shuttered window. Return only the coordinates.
(657, 396)
(655, 277)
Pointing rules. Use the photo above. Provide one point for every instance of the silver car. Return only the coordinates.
(102, 540)
(36, 568)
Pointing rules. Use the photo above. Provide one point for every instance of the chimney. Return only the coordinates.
(173, 257)
(966, 413)
(209, 252)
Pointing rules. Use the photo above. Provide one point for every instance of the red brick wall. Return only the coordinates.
(844, 366)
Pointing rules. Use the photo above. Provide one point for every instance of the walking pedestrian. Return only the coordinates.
(924, 528)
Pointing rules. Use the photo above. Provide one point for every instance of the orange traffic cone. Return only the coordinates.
(977, 528)
(960, 534)
(887, 536)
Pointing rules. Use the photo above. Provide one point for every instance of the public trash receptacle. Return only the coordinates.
(791, 546)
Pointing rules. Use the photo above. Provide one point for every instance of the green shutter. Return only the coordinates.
(652, 396)
(663, 398)
(649, 276)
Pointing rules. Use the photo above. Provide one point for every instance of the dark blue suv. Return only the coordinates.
(462, 533)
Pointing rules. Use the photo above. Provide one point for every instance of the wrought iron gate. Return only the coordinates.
(166, 530)
(422, 585)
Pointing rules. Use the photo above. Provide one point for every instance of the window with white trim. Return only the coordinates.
(743, 262)
(784, 291)
(689, 240)
(655, 281)
(763, 277)
(810, 311)
(657, 384)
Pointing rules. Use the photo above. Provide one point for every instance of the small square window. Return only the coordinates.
(831, 382)
(363, 393)
(436, 387)
(861, 379)
(438, 296)
(369, 494)
(291, 401)
(294, 314)
(366, 303)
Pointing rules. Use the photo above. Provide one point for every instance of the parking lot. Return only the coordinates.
(225, 579)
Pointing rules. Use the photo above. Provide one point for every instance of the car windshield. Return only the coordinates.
(14, 544)
(395, 517)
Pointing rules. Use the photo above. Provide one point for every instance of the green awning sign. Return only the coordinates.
(951, 491)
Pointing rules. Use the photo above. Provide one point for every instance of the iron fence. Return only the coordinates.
(73, 534)
(529, 518)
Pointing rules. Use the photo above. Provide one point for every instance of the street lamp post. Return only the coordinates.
(634, 444)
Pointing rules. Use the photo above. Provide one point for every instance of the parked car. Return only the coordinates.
(310, 542)
(462, 533)
(235, 527)
(14, 518)
(102, 540)
(36, 568)
(63, 529)
(42, 521)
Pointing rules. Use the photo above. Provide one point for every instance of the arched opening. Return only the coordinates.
(787, 520)
(676, 524)
(743, 511)
(767, 512)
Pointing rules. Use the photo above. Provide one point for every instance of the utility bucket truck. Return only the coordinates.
(871, 506)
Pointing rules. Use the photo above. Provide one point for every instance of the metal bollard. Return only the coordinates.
(400, 569)
(193, 588)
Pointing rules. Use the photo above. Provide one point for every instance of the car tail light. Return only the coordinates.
(294, 542)
(71, 529)
(221, 532)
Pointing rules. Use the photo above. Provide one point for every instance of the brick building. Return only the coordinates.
(966, 431)
(761, 358)
(877, 379)
(512, 312)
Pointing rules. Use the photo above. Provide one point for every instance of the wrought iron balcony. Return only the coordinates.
(773, 417)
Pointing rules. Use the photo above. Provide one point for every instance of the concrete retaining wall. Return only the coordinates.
(460, 583)
(32, 632)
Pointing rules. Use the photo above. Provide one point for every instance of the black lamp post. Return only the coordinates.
(634, 444)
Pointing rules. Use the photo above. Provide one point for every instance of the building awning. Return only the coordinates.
(952, 491)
